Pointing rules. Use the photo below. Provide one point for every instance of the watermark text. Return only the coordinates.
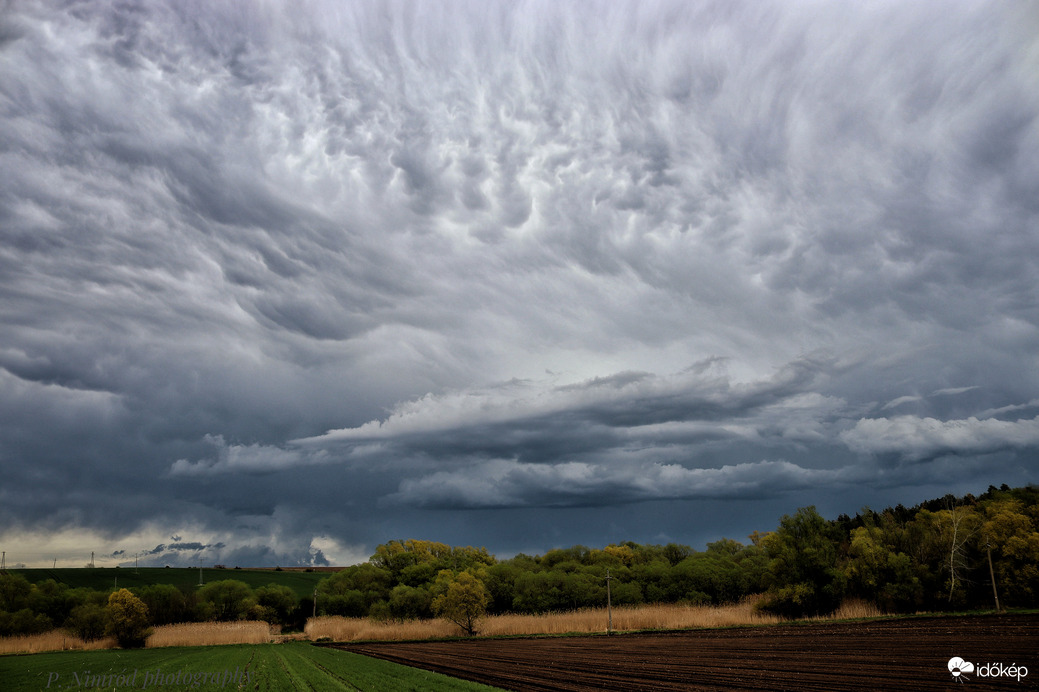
(148, 679)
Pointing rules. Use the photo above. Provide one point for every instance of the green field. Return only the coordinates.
(104, 578)
(289, 666)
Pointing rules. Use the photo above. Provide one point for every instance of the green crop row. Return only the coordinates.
(293, 665)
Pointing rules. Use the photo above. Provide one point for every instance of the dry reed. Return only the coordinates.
(625, 619)
(853, 610)
(55, 640)
(343, 629)
(210, 634)
(185, 634)
(580, 621)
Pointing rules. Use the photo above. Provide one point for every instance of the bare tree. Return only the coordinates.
(957, 526)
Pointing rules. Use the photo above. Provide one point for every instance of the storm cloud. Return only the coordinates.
(289, 280)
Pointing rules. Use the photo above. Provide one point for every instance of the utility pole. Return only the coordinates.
(315, 602)
(135, 563)
(992, 573)
(3, 560)
(200, 575)
(91, 559)
(609, 605)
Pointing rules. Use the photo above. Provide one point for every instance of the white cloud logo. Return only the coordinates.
(957, 666)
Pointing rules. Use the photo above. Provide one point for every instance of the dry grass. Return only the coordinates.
(354, 629)
(343, 629)
(669, 616)
(853, 610)
(55, 640)
(210, 634)
(580, 621)
(625, 619)
(186, 634)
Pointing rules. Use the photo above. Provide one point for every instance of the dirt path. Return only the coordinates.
(906, 654)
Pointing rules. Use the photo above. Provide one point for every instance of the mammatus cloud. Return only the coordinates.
(285, 268)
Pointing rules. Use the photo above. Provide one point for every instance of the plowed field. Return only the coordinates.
(905, 654)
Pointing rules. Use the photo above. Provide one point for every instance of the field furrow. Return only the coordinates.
(910, 653)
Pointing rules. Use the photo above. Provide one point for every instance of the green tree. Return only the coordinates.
(462, 600)
(539, 592)
(877, 573)
(500, 580)
(410, 602)
(23, 621)
(715, 573)
(228, 599)
(53, 599)
(127, 619)
(1011, 532)
(418, 575)
(802, 572)
(656, 581)
(396, 556)
(88, 622)
(276, 603)
(353, 591)
(348, 603)
(166, 603)
(626, 593)
(470, 559)
(14, 592)
(675, 553)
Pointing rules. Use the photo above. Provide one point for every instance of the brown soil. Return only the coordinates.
(904, 654)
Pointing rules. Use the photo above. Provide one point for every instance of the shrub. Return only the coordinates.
(127, 618)
(23, 621)
(463, 601)
(87, 622)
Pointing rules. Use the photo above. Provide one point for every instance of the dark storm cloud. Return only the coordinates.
(261, 265)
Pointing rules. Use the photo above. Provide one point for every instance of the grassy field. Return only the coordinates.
(103, 578)
(293, 665)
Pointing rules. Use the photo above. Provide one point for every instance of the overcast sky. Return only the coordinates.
(280, 282)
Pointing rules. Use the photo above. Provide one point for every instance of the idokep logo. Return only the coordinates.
(958, 667)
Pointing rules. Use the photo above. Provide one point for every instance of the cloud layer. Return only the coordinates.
(284, 273)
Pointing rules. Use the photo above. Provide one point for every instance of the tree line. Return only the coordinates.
(27, 608)
(951, 553)
(932, 557)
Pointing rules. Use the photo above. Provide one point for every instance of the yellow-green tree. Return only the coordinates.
(127, 618)
(462, 600)
(1011, 532)
(879, 573)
